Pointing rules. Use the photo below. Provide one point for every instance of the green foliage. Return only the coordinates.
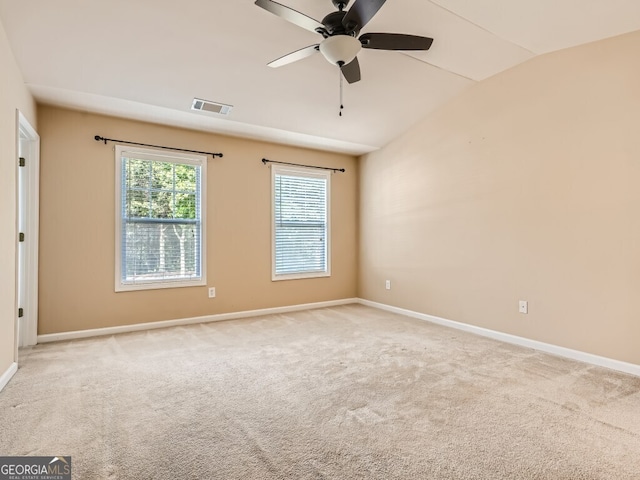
(159, 189)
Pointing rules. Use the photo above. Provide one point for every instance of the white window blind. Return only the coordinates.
(160, 230)
(301, 223)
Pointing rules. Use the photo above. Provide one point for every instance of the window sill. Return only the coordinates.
(159, 285)
(300, 276)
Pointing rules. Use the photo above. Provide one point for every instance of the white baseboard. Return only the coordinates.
(6, 376)
(584, 357)
(97, 332)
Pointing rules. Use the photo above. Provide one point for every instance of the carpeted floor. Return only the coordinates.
(339, 393)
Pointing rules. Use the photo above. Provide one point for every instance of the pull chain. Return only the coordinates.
(341, 105)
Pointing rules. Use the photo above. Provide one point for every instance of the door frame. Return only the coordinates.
(30, 139)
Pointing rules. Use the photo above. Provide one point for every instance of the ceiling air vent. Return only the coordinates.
(207, 106)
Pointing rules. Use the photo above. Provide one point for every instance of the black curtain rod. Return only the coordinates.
(265, 161)
(98, 138)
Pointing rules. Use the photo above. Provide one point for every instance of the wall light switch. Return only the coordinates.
(212, 292)
(523, 306)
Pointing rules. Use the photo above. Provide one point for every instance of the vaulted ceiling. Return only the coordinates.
(148, 59)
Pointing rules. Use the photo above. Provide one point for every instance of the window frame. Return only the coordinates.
(309, 173)
(161, 156)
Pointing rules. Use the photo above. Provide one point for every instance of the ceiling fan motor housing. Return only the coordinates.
(333, 24)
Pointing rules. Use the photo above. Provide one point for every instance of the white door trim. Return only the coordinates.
(32, 210)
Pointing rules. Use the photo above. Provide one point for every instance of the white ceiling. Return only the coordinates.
(147, 59)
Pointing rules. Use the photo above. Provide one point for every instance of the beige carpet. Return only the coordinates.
(338, 393)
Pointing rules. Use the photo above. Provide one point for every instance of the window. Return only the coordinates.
(300, 223)
(160, 232)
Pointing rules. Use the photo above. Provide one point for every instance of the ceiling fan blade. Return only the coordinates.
(395, 41)
(360, 13)
(294, 56)
(290, 15)
(351, 71)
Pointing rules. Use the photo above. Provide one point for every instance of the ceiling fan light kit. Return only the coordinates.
(340, 49)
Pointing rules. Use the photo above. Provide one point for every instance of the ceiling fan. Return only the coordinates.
(340, 30)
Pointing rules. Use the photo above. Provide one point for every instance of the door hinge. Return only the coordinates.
(22, 162)
(21, 237)
(20, 312)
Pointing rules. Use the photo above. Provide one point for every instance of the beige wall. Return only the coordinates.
(77, 227)
(13, 95)
(525, 187)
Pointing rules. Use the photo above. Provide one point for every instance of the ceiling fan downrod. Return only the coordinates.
(340, 4)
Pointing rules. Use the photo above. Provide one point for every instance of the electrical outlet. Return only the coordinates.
(523, 306)
(212, 292)
(387, 284)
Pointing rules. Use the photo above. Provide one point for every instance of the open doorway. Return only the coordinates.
(28, 184)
